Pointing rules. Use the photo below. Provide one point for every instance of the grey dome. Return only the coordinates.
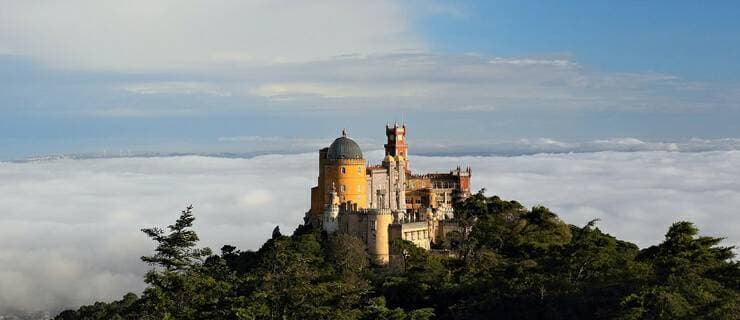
(344, 148)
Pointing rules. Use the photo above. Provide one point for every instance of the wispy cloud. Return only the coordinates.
(549, 145)
(176, 87)
(176, 35)
(406, 82)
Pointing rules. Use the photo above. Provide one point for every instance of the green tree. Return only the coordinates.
(177, 250)
(692, 278)
(347, 253)
(181, 289)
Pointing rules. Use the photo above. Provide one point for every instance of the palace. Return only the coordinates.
(385, 202)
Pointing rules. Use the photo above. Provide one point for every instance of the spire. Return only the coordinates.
(344, 133)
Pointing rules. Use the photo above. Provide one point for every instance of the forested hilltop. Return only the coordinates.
(509, 262)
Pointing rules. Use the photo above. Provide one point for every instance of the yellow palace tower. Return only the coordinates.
(342, 168)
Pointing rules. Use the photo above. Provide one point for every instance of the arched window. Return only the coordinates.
(344, 170)
(359, 169)
(342, 188)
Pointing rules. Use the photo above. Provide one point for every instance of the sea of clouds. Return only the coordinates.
(69, 230)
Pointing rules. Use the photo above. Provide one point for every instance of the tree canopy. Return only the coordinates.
(505, 262)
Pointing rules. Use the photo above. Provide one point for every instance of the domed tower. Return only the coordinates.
(344, 169)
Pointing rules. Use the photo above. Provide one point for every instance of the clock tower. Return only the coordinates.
(396, 146)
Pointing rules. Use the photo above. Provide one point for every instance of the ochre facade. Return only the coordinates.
(348, 177)
(385, 202)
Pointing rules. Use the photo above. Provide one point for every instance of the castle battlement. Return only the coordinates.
(367, 211)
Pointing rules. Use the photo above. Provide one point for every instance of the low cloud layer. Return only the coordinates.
(69, 234)
(637, 195)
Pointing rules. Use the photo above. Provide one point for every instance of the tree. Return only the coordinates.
(692, 278)
(347, 253)
(181, 290)
(176, 251)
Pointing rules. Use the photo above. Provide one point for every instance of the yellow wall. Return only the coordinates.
(319, 193)
(351, 184)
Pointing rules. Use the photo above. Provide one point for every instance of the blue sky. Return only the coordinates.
(685, 38)
(192, 76)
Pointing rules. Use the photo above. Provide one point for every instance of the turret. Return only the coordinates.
(396, 145)
(378, 245)
(331, 212)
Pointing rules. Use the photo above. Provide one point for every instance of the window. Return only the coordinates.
(341, 188)
(344, 170)
(359, 188)
(359, 169)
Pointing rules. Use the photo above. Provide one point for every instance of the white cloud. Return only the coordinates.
(462, 83)
(243, 56)
(176, 87)
(256, 198)
(197, 34)
(548, 145)
(637, 195)
(70, 234)
(533, 62)
(409, 81)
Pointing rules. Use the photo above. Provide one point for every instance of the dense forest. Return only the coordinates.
(508, 262)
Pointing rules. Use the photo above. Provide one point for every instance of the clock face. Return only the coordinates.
(392, 138)
(400, 138)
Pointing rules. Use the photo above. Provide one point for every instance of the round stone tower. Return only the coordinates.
(378, 240)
